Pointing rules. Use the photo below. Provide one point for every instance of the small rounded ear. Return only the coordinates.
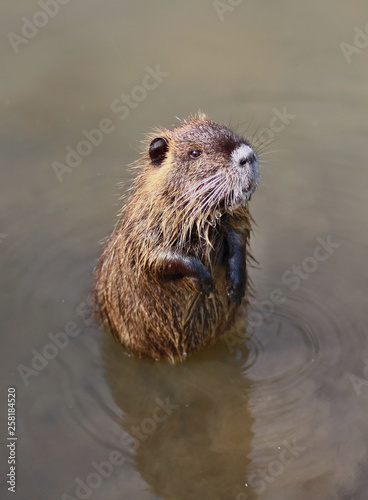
(158, 149)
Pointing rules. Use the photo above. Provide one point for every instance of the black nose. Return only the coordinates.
(250, 158)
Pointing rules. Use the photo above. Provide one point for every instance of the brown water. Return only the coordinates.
(278, 414)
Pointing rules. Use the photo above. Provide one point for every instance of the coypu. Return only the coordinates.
(173, 273)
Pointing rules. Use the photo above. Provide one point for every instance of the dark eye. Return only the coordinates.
(195, 153)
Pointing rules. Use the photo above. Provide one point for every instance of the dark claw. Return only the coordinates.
(205, 284)
(236, 291)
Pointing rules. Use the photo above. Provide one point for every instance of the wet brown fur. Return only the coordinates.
(174, 206)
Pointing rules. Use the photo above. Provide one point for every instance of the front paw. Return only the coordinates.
(205, 284)
(236, 290)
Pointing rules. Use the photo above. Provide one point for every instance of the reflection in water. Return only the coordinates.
(189, 424)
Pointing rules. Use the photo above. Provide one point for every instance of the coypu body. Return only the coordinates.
(173, 274)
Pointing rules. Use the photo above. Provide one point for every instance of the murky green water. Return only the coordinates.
(280, 414)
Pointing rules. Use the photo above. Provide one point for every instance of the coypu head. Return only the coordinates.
(194, 174)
